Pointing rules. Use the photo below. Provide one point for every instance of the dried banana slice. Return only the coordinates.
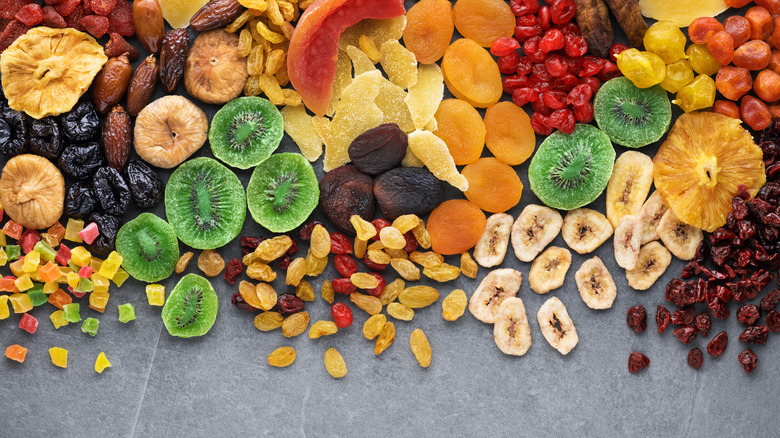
(32, 191)
(497, 286)
(628, 234)
(595, 283)
(46, 70)
(557, 326)
(653, 260)
(512, 332)
(678, 237)
(533, 230)
(549, 270)
(490, 250)
(650, 214)
(584, 230)
(629, 185)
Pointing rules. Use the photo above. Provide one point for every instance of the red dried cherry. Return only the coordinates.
(239, 302)
(583, 113)
(342, 315)
(579, 95)
(305, 232)
(504, 46)
(513, 82)
(608, 71)
(562, 11)
(524, 65)
(524, 95)
(773, 321)
(345, 265)
(615, 50)
(591, 65)
(717, 345)
(411, 242)
(377, 291)
(524, 33)
(508, 64)
(575, 46)
(564, 120)
(539, 124)
(524, 7)
(695, 358)
(554, 99)
(371, 265)
(340, 244)
(637, 361)
(545, 17)
(552, 40)
(636, 318)
(683, 316)
(287, 304)
(593, 83)
(770, 300)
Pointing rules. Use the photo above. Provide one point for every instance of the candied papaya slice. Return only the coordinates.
(313, 49)
(471, 74)
(461, 127)
(509, 136)
(429, 29)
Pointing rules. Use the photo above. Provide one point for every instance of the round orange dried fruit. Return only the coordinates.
(429, 29)
(455, 226)
(471, 74)
(462, 129)
(484, 21)
(509, 135)
(493, 186)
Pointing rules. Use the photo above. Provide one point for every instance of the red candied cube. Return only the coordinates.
(63, 255)
(28, 323)
(85, 271)
(102, 7)
(96, 25)
(30, 14)
(121, 19)
(66, 7)
(9, 8)
(29, 239)
(52, 19)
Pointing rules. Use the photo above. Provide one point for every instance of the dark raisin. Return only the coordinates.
(748, 314)
(662, 318)
(233, 268)
(250, 243)
(683, 316)
(748, 359)
(702, 324)
(287, 304)
(239, 302)
(770, 300)
(685, 334)
(636, 318)
(756, 334)
(79, 200)
(81, 161)
(773, 321)
(81, 123)
(45, 138)
(14, 132)
(637, 361)
(111, 191)
(717, 345)
(695, 358)
(108, 225)
(146, 187)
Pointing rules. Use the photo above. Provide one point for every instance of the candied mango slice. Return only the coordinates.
(361, 63)
(399, 63)
(298, 125)
(424, 96)
(341, 81)
(390, 101)
(432, 151)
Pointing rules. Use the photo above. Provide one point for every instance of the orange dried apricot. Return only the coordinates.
(455, 226)
(493, 186)
(509, 134)
(471, 74)
(429, 29)
(484, 21)
(461, 127)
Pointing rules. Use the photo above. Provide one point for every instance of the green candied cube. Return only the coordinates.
(90, 326)
(71, 312)
(126, 312)
(47, 252)
(84, 286)
(37, 296)
(14, 252)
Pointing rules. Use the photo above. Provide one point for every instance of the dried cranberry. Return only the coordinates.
(371, 265)
(554, 99)
(718, 308)
(539, 124)
(378, 225)
(566, 83)
(579, 95)
(524, 95)
(342, 315)
(345, 264)
(513, 82)
(233, 268)
(507, 64)
(637, 361)
(703, 324)
(683, 316)
(748, 314)
(748, 359)
(615, 50)
(524, 7)
(717, 345)
(695, 358)
(564, 120)
(636, 318)
(250, 243)
(284, 262)
(305, 232)
(773, 321)
(340, 244)
(556, 65)
(662, 318)
(575, 46)
(411, 242)
(685, 334)
(568, 29)
(524, 66)
(239, 302)
(523, 33)
(591, 65)
(562, 11)
(293, 248)
(287, 304)
(504, 46)
(343, 286)
(756, 334)
(377, 291)
(770, 300)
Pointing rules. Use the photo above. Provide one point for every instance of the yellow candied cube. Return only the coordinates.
(57, 319)
(101, 363)
(80, 256)
(50, 240)
(2, 239)
(59, 356)
(120, 277)
(98, 300)
(51, 287)
(4, 312)
(16, 268)
(64, 271)
(21, 303)
(95, 264)
(23, 283)
(31, 261)
(73, 279)
(155, 293)
(111, 265)
(73, 229)
(99, 283)
(3, 257)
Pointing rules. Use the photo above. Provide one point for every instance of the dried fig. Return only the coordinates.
(169, 130)
(345, 191)
(408, 190)
(32, 191)
(214, 71)
(379, 149)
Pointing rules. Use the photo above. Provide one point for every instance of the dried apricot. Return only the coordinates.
(493, 186)
(461, 127)
(753, 55)
(509, 134)
(455, 226)
(767, 86)
(484, 21)
(471, 74)
(429, 29)
(761, 22)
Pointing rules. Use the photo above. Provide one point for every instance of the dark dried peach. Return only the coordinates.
(379, 149)
(408, 190)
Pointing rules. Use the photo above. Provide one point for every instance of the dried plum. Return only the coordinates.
(81, 123)
(345, 191)
(111, 191)
(379, 149)
(80, 161)
(14, 132)
(79, 200)
(45, 138)
(108, 225)
(145, 185)
(408, 190)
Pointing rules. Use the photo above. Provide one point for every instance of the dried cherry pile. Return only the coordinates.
(554, 74)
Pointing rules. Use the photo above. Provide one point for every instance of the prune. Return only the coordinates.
(748, 359)
(379, 149)
(717, 345)
(695, 358)
(756, 334)
(80, 161)
(703, 323)
(748, 314)
(345, 191)
(287, 304)
(146, 187)
(636, 318)
(14, 132)
(79, 200)
(408, 190)
(111, 191)
(637, 361)
(45, 138)
(81, 123)
(108, 225)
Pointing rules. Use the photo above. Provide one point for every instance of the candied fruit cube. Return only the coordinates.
(16, 352)
(50, 287)
(99, 283)
(3, 242)
(13, 230)
(45, 250)
(21, 303)
(111, 265)
(80, 256)
(37, 296)
(28, 240)
(59, 356)
(23, 283)
(71, 312)
(49, 239)
(84, 286)
(14, 252)
(126, 312)
(16, 267)
(28, 323)
(155, 293)
(73, 229)
(63, 255)
(7, 284)
(49, 272)
(31, 261)
(85, 271)
(73, 279)
(96, 263)
(3, 257)
(98, 301)
(89, 233)
(4, 311)
(90, 326)
(101, 363)
(57, 231)
(59, 298)
(64, 271)
(58, 319)
(120, 277)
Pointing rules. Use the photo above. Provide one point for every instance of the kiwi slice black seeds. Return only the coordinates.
(246, 128)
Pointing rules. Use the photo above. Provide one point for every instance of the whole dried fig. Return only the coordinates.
(345, 191)
(408, 190)
(379, 149)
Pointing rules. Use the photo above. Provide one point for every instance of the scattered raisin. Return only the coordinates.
(239, 302)
(146, 187)
(636, 318)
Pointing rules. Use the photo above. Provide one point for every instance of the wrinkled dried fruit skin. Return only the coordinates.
(636, 318)
(149, 24)
(215, 14)
(756, 334)
(14, 132)
(748, 359)
(111, 83)
(379, 149)
(111, 191)
(345, 191)
(81, 161)
(695, 358)
(287, 304)
(662, 318)
(45, 138)
(282, 357)
(108, 225)
(408, 190)
(81, 123)
(117, 138)
(79, 200)
(146, 187)
(142, 85)
(173, 57)
(637, 362)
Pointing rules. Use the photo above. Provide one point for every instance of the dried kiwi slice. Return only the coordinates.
(246, 131)
(571, 170)
(149, 248)
(282, 192)
(631, 116)
(191, 308)
(205, 203)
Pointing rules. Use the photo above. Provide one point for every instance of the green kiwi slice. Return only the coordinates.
(191, 308)
(205, 203)
(282, 192)
(571, 170)
(246, 131)
(148, 247)
(631, 116)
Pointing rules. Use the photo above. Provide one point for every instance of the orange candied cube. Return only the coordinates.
(49, 272)
(16, 352)
(57, 231)
(60, 298)
(13, 230)
(7, 284)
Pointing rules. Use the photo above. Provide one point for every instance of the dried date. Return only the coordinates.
(111, 83)
(117, 138)
(216, 14)
(174, 54)
(142, 85)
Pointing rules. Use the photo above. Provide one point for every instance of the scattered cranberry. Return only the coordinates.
(250, 243)
(371, 265)
(637, 362)
(695, 358)
(636, 318)
(305, 232)
(615, 50)
(756, 334)
(293, 248)
(504, 46)
(703, 324)
(343, 286)
(233, 268)
(662, 318)
(748, 314)
(411, 242)
(717, 345)
(748, 359)
(683, 316)
(770, 300)
(342, 315)
(773, 321)
(284, 262)
(287, 304)
(377, 291)
(685, 334)
(340, 244)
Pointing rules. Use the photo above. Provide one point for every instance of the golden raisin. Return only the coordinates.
(282, 357)
(392, 291)
(468, 266)
(248, 292)
(260, 271)
(453, 305)
(320, 241)
(304, 291)
(374, 325)
(418, 296)
(406, 269)
(271, 249)
(267, 296)
(268, 321)
(368, 303)
(399, 311)
(322, 328)
(360, 247)
(327, 292)
(335, 364)
(295, 324)
(296, 271)
(364, 280)
(184, 260)
(420, 347)
(385, 338)
(422, 236)
(406, 222)
(442, 273)
(392, 238)
(365, 230)
(315, 265)
(211, 263)
(379, 257)
(428, 259)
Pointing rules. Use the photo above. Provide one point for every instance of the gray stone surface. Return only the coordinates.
(221, 385)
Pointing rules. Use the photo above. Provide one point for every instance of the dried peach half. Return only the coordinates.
(509, 134)
(471, 74)
(461, 127)
(493, 186)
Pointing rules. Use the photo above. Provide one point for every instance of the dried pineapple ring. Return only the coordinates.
(46, 70)
(32, 191)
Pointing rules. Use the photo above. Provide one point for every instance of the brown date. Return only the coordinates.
(111, 83)
(149, 25)
(215, 14)
(117, 138)
(174, 54)
(142, 85)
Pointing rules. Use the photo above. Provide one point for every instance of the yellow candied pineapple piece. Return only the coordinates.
(391, 101)
(100, 283)
(98, 301)
(73, 229)
(101, 363)
(120, 277)
(16, 268)
(155, 293)
(80, 256)
(59, 356)
(31, 261)
(95, 264)
(426, 94)
(178, 13)
(110, 265)
(4, 311)
(399, 63)
(21, 303)
(73, 279)
(3, 257)
(23, 283)
(57, 319)
(360, 60)
(51, 287)
(298, 125)
(2, 239)
(433, 151)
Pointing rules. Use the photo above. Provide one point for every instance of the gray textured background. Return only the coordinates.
(221, 385)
